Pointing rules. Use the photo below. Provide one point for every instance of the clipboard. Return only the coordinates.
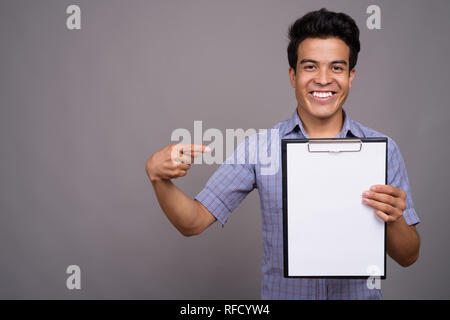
(328, 232)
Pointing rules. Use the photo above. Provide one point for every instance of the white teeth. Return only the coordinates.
(322, 94)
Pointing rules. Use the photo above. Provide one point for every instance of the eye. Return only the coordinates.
(309, 67)
(337, 68)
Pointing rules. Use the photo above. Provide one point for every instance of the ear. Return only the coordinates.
(352, 76)
(292, 77)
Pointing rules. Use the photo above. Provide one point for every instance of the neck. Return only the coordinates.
(322, 128)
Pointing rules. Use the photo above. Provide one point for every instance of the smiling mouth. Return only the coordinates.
(322, 96)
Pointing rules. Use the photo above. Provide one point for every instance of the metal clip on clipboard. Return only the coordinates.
(340, 145)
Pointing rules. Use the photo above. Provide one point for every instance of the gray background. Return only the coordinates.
(82, 111)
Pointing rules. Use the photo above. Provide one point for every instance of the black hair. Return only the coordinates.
(323, 24)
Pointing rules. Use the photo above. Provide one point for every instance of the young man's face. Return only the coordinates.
(322, 80)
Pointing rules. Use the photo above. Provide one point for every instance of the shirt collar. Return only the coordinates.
(348, 129)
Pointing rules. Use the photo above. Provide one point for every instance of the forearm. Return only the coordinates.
(403, 242)
(182, 211)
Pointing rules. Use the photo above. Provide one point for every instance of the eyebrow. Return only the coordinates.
(339, 62)
(308, 60)
(332, 62)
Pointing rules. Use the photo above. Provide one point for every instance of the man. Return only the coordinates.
(322, 54)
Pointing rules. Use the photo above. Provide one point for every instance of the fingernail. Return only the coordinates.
(365, 200)
(366, 193)
(373, 188)
(207, 149)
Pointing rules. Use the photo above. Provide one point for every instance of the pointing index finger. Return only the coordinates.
(194, 148)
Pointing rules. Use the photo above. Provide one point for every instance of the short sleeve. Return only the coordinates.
(228, 186)
(398, 177)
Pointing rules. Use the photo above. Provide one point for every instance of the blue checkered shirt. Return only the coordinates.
(231, 183)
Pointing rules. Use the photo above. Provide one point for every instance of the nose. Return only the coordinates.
(323, 77)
